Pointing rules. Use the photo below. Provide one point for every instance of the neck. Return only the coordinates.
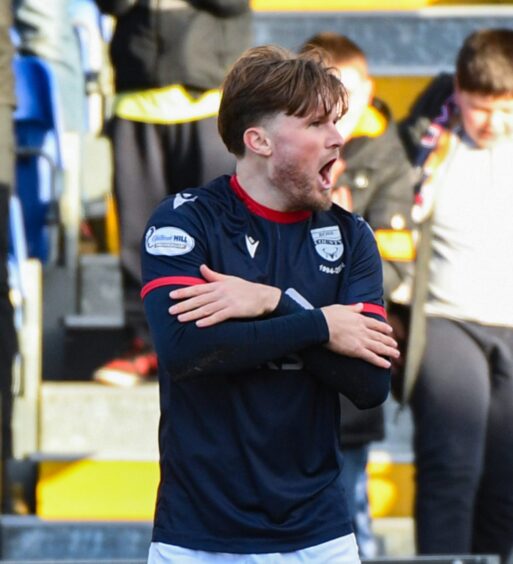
(254, 179)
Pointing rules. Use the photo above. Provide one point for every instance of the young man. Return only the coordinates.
(276, 305)
(459, 362)
(376, 181)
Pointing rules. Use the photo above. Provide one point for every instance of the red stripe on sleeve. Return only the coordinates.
(171, 281)
(374, 308)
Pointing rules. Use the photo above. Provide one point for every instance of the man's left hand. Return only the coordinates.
(223, 297)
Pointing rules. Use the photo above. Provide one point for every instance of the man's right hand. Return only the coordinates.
(359, 336)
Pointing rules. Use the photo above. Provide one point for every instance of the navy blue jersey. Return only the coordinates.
(249, 408)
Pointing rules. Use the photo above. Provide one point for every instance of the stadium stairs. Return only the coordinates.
(86, 455)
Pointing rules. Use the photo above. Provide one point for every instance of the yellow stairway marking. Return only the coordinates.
(97, 489)
(126, 490)
(357, 5)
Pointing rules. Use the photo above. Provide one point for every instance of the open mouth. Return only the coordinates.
(325, 174)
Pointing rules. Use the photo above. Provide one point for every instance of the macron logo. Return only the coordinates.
(182, 199)
(251, 245)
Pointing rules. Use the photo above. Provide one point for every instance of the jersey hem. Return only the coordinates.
(248, 546)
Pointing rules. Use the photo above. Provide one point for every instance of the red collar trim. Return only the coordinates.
(267, 213)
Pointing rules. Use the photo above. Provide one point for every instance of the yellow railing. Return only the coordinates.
(340, 5)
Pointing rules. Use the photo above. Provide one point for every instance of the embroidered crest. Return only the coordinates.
(328, 242)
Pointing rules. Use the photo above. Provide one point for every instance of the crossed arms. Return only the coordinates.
(229, 325)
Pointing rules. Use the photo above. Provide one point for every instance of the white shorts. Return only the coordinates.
(342, 550)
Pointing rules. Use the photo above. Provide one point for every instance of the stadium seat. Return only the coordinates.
(39, 164)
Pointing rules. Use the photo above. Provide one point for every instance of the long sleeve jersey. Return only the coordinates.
(249, 408)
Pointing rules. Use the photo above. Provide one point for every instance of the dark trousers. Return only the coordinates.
(152, 161)
(462, 407)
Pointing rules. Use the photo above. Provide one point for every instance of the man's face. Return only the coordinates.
(487, 120)
(359, 89)
(303, 151)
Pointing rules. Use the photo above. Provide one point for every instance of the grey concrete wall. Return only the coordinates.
(419, 42)
(102, 422)
(30, 538)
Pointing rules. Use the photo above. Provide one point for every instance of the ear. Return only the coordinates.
(256, 140)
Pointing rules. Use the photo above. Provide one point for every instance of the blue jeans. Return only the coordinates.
(354, 480)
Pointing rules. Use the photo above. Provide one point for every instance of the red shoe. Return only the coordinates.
(138, 365)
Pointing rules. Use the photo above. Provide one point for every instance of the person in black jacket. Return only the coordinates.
(7, 330)
(375, 180)
(169, 58)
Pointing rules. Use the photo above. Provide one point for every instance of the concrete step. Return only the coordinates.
(82, 305)
(101, 293)
(397, 42)
(89, 420)
(26, 538)
(98, 455)
(31, 538)
(86, 419)
(395, 536)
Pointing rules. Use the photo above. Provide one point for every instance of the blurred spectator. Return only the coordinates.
(45, 30)
(169, 59)
(376, 181)
(461, 335)
(7, 331)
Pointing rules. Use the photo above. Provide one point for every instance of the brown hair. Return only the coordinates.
(338, 49)
(267, 80)
(485, 63)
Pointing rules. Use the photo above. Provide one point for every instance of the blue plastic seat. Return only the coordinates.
(39, 163)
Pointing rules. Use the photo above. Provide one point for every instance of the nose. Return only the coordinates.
(496, 120)
(335, 138)
(501, 122)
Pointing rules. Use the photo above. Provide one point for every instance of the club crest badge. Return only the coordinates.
(328, 242)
